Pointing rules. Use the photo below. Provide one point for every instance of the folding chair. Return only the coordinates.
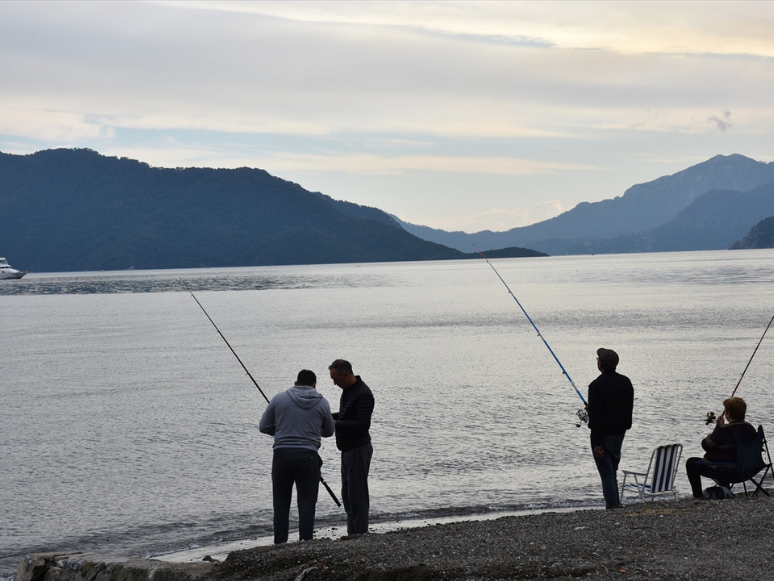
(659, 479)
(750, 460)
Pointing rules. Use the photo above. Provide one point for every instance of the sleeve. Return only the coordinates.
(267, 424)
(327, 421)
(594, 414)
(713, 441)
(360, 418)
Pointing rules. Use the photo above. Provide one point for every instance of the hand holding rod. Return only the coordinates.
(325, 484)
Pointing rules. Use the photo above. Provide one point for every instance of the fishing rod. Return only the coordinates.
(711, 415)
(582, 414)
(250, 375)
(226, 341)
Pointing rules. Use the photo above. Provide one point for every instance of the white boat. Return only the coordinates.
(7, 272)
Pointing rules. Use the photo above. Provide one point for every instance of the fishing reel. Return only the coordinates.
(710, 419)
(583, 417)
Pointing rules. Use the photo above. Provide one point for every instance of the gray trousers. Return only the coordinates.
(355, 464)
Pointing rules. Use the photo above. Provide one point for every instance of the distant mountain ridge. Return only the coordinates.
(70, 210)
(74, 209)
(642, 208)
(715, 221)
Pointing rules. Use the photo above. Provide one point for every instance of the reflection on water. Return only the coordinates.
(127, 425)
(171, 281)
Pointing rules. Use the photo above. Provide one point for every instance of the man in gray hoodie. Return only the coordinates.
(297, 418)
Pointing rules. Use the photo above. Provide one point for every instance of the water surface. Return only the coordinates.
(129, 427)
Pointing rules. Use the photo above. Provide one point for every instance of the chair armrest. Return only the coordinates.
(633, 472)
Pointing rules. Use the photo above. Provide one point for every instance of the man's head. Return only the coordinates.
(341, 373)
(607, 359)
(306, 377)
(736, 408)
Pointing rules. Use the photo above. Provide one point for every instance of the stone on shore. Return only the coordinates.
(92, 567)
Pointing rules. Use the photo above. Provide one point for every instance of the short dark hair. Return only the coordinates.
(306, 377)
(736, 408)
(341, 365)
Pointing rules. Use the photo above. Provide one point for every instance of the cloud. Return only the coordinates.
(362, 68)
(724, 122)
(51, 125)
(741, 28)
(376, 164)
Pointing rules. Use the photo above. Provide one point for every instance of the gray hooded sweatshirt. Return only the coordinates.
(298, 418)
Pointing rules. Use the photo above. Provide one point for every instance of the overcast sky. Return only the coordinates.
(457, 115)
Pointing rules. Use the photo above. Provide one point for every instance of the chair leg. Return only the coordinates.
(759, 486)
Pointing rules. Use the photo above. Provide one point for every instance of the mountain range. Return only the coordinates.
(74, 210)
(703, 207)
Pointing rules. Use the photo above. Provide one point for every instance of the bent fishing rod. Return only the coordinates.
(711, 415)
(250, 375)
(582, 414)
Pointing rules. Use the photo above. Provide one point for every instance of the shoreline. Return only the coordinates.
(220, 551)
(668, 540)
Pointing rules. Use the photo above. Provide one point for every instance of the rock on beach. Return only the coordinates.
(686, 539)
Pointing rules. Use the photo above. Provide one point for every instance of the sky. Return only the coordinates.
(455, 115)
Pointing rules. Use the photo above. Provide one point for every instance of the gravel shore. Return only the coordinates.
(668, 540)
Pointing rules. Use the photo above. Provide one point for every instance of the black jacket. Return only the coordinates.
(611, 401)
(354, 418)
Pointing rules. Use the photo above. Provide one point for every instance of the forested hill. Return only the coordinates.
(760, 236)
(74, 210)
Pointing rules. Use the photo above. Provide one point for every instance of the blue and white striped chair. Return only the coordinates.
(659, 480)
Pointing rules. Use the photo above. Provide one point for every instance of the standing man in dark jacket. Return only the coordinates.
(352, 424)
(611, 401)
(297, 418)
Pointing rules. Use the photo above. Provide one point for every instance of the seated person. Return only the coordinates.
(720, 445)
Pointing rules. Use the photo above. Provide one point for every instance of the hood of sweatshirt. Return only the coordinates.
(304, 396)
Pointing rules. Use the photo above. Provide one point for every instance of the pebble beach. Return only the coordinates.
(669, 540)
(682, 540)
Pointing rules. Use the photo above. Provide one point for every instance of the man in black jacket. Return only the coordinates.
(352, 423)
(611, 401)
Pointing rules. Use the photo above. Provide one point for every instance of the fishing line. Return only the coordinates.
(226, 341)
(711, 415)
(250, 375)
(582, 414)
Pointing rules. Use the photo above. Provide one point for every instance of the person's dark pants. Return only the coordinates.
(695, 468)
(301, 467)
(355, 464)
(608, 467)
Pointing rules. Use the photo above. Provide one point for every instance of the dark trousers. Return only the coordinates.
(695, 468)
(301, 467)
(355, 464)
(607, 466)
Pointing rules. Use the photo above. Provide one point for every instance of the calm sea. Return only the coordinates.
(127, 425)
